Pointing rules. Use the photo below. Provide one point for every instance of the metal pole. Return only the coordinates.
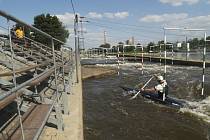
(82, 35)
(72, 54)
(14, 79)
(24, 44)
(172, 54)
(35, 74)
(186, 50)
(57, 105)
(123, 54)
(142, 59)
(160, 55)
(165, 41)
(70, 67)
(118, 57)
(63, 70)
(150, 59)
(76, 46)
(105, 55)
(69, 53)
(55, 68)
(135, 52)
(204, 64)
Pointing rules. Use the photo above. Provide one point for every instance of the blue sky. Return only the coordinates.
(121, 19)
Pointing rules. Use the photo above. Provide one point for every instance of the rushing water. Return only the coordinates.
(108, 115)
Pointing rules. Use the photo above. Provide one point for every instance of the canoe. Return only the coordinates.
(169, 101)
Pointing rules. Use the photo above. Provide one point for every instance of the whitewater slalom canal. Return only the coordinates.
(108, 115)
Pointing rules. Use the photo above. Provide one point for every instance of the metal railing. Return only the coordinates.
(53, 69)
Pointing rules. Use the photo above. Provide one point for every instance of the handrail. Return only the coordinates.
(8, 93)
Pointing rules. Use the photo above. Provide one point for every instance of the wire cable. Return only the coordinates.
(72, 5)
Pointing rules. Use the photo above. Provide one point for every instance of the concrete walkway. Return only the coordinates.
(73, 129)
(74, 121)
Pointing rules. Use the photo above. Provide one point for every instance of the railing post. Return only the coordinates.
(186, 49)
(14, 79)
(118, 60)
(204, 64)
(165, 41)
(172, 54)
(64, 95)
(135, 52)
(142, 60)
(55, 68)
(123, 53)
(35, 74)
(160, 55)
(57, 105)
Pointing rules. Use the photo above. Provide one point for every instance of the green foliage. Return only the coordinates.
(51, 25)
(129, 48)
(120, 43)
(195, 44)
(149, 46)
(107, 45)
(138, 44)
(160, 42)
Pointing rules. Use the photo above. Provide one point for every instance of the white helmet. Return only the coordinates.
(160, 78)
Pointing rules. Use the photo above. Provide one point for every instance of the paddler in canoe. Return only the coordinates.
(159, 89)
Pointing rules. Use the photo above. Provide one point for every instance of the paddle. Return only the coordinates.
(142, 88)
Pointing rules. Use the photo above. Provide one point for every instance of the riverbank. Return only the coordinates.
(91, 71)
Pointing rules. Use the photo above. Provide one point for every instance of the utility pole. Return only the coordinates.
(77, 52)
(82, 35)
(82, 32)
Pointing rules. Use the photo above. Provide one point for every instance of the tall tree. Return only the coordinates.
(106, 46)
(149, 45)
(51, 25)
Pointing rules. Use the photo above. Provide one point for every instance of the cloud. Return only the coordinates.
(109, 15)
(164, 17)
(179, 20)
(118, 15)
(94, 15)
(194, 22)
(179, 2)
(67, 18)
(121, 15)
